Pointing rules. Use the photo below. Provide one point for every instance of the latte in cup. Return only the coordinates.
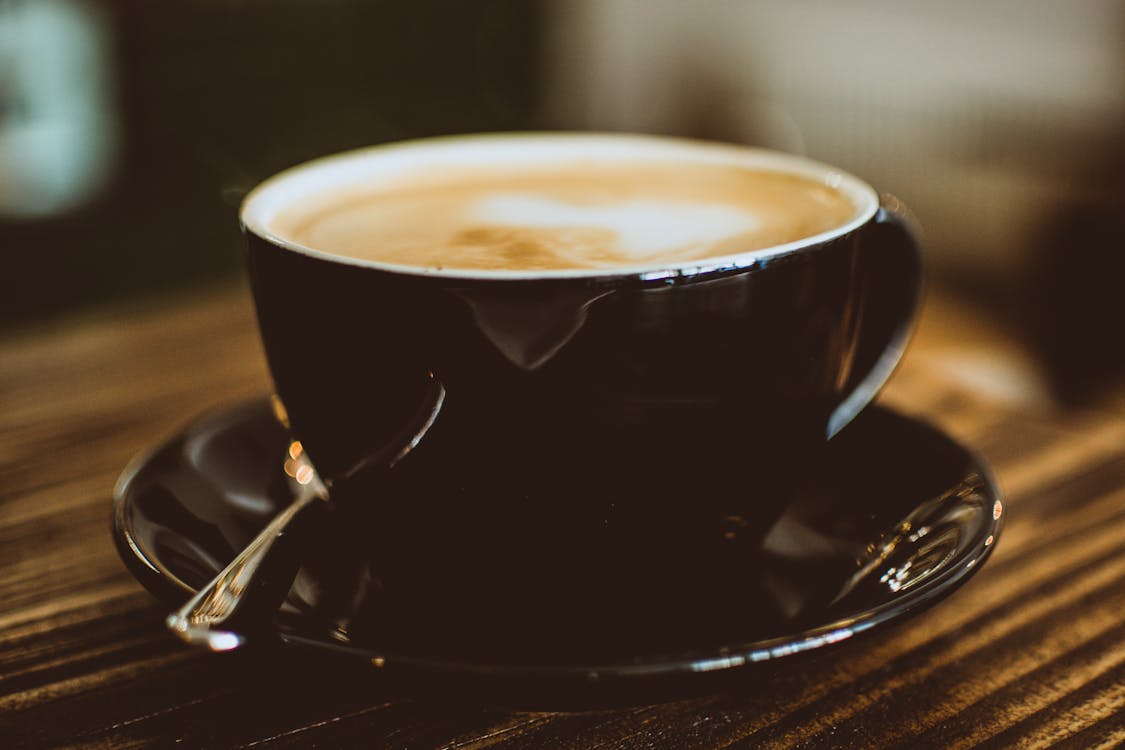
(625, 352)
(572, 215)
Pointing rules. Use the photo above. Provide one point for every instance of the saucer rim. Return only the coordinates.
(169, 589)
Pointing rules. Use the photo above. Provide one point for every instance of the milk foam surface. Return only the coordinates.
(641, 228)
(572, 216)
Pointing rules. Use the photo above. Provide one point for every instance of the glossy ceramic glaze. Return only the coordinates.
(891, 518)
(608, 397)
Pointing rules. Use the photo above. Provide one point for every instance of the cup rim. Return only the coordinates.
(277, 192)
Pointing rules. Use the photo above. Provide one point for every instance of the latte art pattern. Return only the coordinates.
(581, 216)
(638, 229)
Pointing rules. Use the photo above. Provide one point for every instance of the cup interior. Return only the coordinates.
(384, 165)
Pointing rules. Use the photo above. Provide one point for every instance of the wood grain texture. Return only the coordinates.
(1029, 654)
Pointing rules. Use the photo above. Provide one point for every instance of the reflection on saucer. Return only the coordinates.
(892, 517)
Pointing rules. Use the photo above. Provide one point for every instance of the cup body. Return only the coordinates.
(663, 409)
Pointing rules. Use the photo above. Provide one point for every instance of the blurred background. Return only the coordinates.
(129, 131)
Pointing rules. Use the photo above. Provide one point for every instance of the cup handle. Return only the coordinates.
(891, 272)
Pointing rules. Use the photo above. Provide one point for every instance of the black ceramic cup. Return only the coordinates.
(584, 425)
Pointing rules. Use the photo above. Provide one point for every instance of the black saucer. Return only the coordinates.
(893, 518)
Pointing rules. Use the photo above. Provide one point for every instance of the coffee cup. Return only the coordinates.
(595, 355)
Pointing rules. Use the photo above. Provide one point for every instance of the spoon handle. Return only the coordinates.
(263, 570)
(252, 587)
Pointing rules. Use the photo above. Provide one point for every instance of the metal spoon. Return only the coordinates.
(251, 588)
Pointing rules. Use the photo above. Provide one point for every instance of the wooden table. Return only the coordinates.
(1030, 653)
